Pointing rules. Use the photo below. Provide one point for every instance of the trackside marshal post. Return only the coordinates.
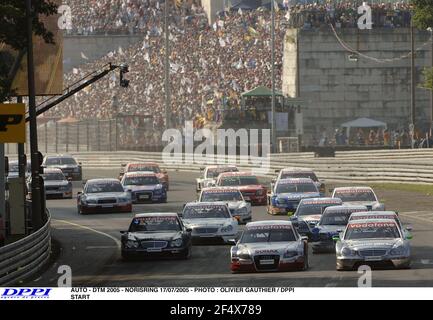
(12, 130)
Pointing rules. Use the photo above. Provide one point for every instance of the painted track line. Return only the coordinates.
(118, 244)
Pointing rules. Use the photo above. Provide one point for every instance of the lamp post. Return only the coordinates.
(273, 129)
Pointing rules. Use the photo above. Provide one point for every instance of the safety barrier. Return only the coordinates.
(395, 166)
(25, 257)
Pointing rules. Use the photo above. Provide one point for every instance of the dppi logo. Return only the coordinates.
(9, 120)
(25, 293)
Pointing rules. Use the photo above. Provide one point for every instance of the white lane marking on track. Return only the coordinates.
(426, 261)
(408, 215)
(90, 229)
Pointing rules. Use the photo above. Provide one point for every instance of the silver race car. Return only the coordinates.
(239, 208)
(210, 175)
(375, 242)
(333, 219)
(269, 246)
(56, 185)
(210, 220)
(383, 215)
(363, 196)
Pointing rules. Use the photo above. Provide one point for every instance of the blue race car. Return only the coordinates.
(287, 193)
(333, 221)
(309, 213)
(144, 187)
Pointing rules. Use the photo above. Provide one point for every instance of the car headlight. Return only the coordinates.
(123, 200)
(88, 201)
(241, 211)
(130, 244)
(177, 242)
(226, 229)
(347, 252)
(290, 254)
(244, 256)
(76, 169)
(398, 251)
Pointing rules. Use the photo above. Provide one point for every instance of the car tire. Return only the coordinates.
(306, 265)
(80, 212)
(186, 255)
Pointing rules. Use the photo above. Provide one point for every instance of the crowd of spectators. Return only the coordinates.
(210, 65)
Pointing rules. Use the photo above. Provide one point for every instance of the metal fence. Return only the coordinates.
(94, 135)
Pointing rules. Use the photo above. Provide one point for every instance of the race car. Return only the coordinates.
(373, 242)
(382, 215)
(156, 235)
(69, 166)
(144, 187)
(14, 169)
(287, 193)
(247, 184)
(239, 208)
(103, 195)
(210, 221)
(56, 185)
(333, 220)
(210, 175)
(309, 212)
(363, 196)
(148, 167)
(296, 172)
(269, 246)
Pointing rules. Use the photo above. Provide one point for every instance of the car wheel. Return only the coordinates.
(186, 255)
(270, 211)
(306, 265)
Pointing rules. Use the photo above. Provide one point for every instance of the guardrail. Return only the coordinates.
(25, 257)
(396, 166)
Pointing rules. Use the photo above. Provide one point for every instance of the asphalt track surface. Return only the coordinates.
(90, 245)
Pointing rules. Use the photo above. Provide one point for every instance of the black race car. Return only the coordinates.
(156, 235)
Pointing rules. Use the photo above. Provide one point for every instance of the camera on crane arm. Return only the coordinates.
(124, 68)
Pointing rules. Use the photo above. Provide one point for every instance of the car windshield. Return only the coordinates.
(155, 224)
(350, 196)
(141, 181)
(296, 175)
(312, 209)
(102, 187)
(214, 173)
(221, 196)
(203, 212)
(60, 161)
(138, 168)
(372, 231)
(267, 234)
(239, 181)
(53, 176)
(295, 188)
(335, 219)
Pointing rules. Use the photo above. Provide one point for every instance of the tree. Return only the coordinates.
(13, 33)
(423, 20)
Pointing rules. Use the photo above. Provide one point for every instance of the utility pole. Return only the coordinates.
(273, 130)
(167, 68)
(36, 191)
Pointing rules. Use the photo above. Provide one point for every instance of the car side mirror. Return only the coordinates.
(123, 232)
(273, 180)
(80, 163)
(189, 230)
(304, 238)
(232, 241)
(79, 193)
(180, 214)
(330, 190)
(202, 168)
(409, 228)
(409, 237)
(336, 238)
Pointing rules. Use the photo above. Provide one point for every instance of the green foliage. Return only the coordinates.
(13, 32)
(428, 78)
(423, 15)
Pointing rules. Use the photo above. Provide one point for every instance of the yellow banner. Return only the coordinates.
(12, 123)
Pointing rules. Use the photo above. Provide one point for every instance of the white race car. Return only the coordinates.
(359, 196)
(210, 175)
(269, 246)
(210, 220)
(239, 208)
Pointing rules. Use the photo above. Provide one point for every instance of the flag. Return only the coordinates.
(240, 11)
(75, 71)
(84, 56)
(253, 32)
(222, 43)
(276, 7)
(179, 3)
(120, 51)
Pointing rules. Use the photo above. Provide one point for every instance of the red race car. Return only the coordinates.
(162, 175)
(248, 185)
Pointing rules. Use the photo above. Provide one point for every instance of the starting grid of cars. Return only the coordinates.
(352, 224)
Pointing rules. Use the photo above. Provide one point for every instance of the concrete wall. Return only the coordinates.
(93, 47)
(336, 90)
